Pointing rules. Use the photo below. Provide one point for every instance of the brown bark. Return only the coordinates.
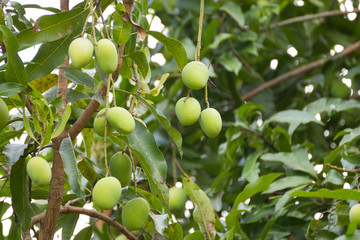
(49, 222)
(62, 88)
(300, 70)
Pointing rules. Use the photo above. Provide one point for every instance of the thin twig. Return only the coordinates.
(242, 60)
(91, 213)
(357, 170)
(87, 197)
(5, 169)
(182, 170)
(308, 18)
(262, 137)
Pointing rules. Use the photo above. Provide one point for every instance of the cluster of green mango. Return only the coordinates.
(188, 110)
(81, 52)
(106, 192)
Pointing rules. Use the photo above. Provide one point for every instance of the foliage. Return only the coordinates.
(276, 170)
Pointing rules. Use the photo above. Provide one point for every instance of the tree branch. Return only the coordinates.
(300, 70)
(90, 213)
(307, 18)
(49, 222)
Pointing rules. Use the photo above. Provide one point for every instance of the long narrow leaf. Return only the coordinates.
(68, 156)
(143, 144)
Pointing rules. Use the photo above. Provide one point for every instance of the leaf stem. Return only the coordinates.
(106, 124)
(206, 97)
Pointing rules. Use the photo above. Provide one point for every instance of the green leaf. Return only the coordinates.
(331, 104)
(15, 71)
(88, 135)
(259, 185)
(53, 27)
(175, 232)
(20, 193)
(141, 61)
(344, 194)
(232, 219)
(288, 182)
(121, 31)
(160, 221)
(49, 56)
(204, 213)
(351, 135)
(156, 90)
(67, 223)
(61, 126)
(13, 152)
(297, 160)
(197, 235)
(294, 118)
(50, 9)
(143, 144)
(230, 63)
(6, 136)
(87, 171)
(11, 88)
(68, 156)
(174, 46)
(267, 227)
(164, 122)
(355, 236)
(351, 228)
(78, 77)
(235, 12)
(84, 234)
(219, 38)
(251, 169)
(27, 124)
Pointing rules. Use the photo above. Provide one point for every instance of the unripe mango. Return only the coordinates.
(39, 171)
(177, 198)
(80, 52)
(195, 75)
(121, 237)
(135, 213)
(4, 113)
(99, 124)
(106, 193)
(354, 214)
(187, 110)
(121, 120)
(210, 122)
(106, 56)
(121, 168)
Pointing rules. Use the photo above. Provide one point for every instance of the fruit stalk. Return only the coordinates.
(201, 17)
(106, 123)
